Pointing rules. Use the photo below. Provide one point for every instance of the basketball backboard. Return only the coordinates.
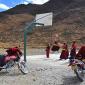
(45, 18)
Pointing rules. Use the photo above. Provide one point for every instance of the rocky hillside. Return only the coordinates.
(50, 6)
(12, 28)
(68, 23)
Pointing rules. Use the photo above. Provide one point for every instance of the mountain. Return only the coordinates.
(68, 23)
(52, 5)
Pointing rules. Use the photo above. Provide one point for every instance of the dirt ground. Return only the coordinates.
(42, 71)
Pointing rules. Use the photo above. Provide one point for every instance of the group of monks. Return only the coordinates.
(66, 53)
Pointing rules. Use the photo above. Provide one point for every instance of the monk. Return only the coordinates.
(73, 50)
(55, 47)
(47, 51)
(81, 53)
(14, 51)
(64, 53)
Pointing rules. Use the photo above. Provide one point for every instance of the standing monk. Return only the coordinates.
(81, 53)
(47, 51)
(64, 53)
(73, 50)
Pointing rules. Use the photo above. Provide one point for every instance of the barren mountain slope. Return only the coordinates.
(68, 23)
(12, 28)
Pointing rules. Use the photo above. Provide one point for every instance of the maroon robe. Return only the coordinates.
(73, 50)
(14, 51)
(55, 47)
(81, 53)
(64, 53)
(47, 51)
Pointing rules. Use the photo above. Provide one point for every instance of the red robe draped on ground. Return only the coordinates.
(64, 53)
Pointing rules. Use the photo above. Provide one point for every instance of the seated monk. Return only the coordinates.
(14, 51)
(55, 46)
(81, 53)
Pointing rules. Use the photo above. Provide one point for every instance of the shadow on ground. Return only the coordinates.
(71, 80)
(4, 73)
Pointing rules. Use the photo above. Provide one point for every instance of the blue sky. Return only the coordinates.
(7, 4)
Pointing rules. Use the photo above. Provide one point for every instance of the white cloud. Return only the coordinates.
(39, 1)
(25, 2)
(35, 1)
(3, 6)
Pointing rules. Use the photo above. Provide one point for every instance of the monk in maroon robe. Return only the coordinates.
(64, 53)
(55, 47)
(47, 51)
(73, 50)
(81, 53)
(14, 51)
